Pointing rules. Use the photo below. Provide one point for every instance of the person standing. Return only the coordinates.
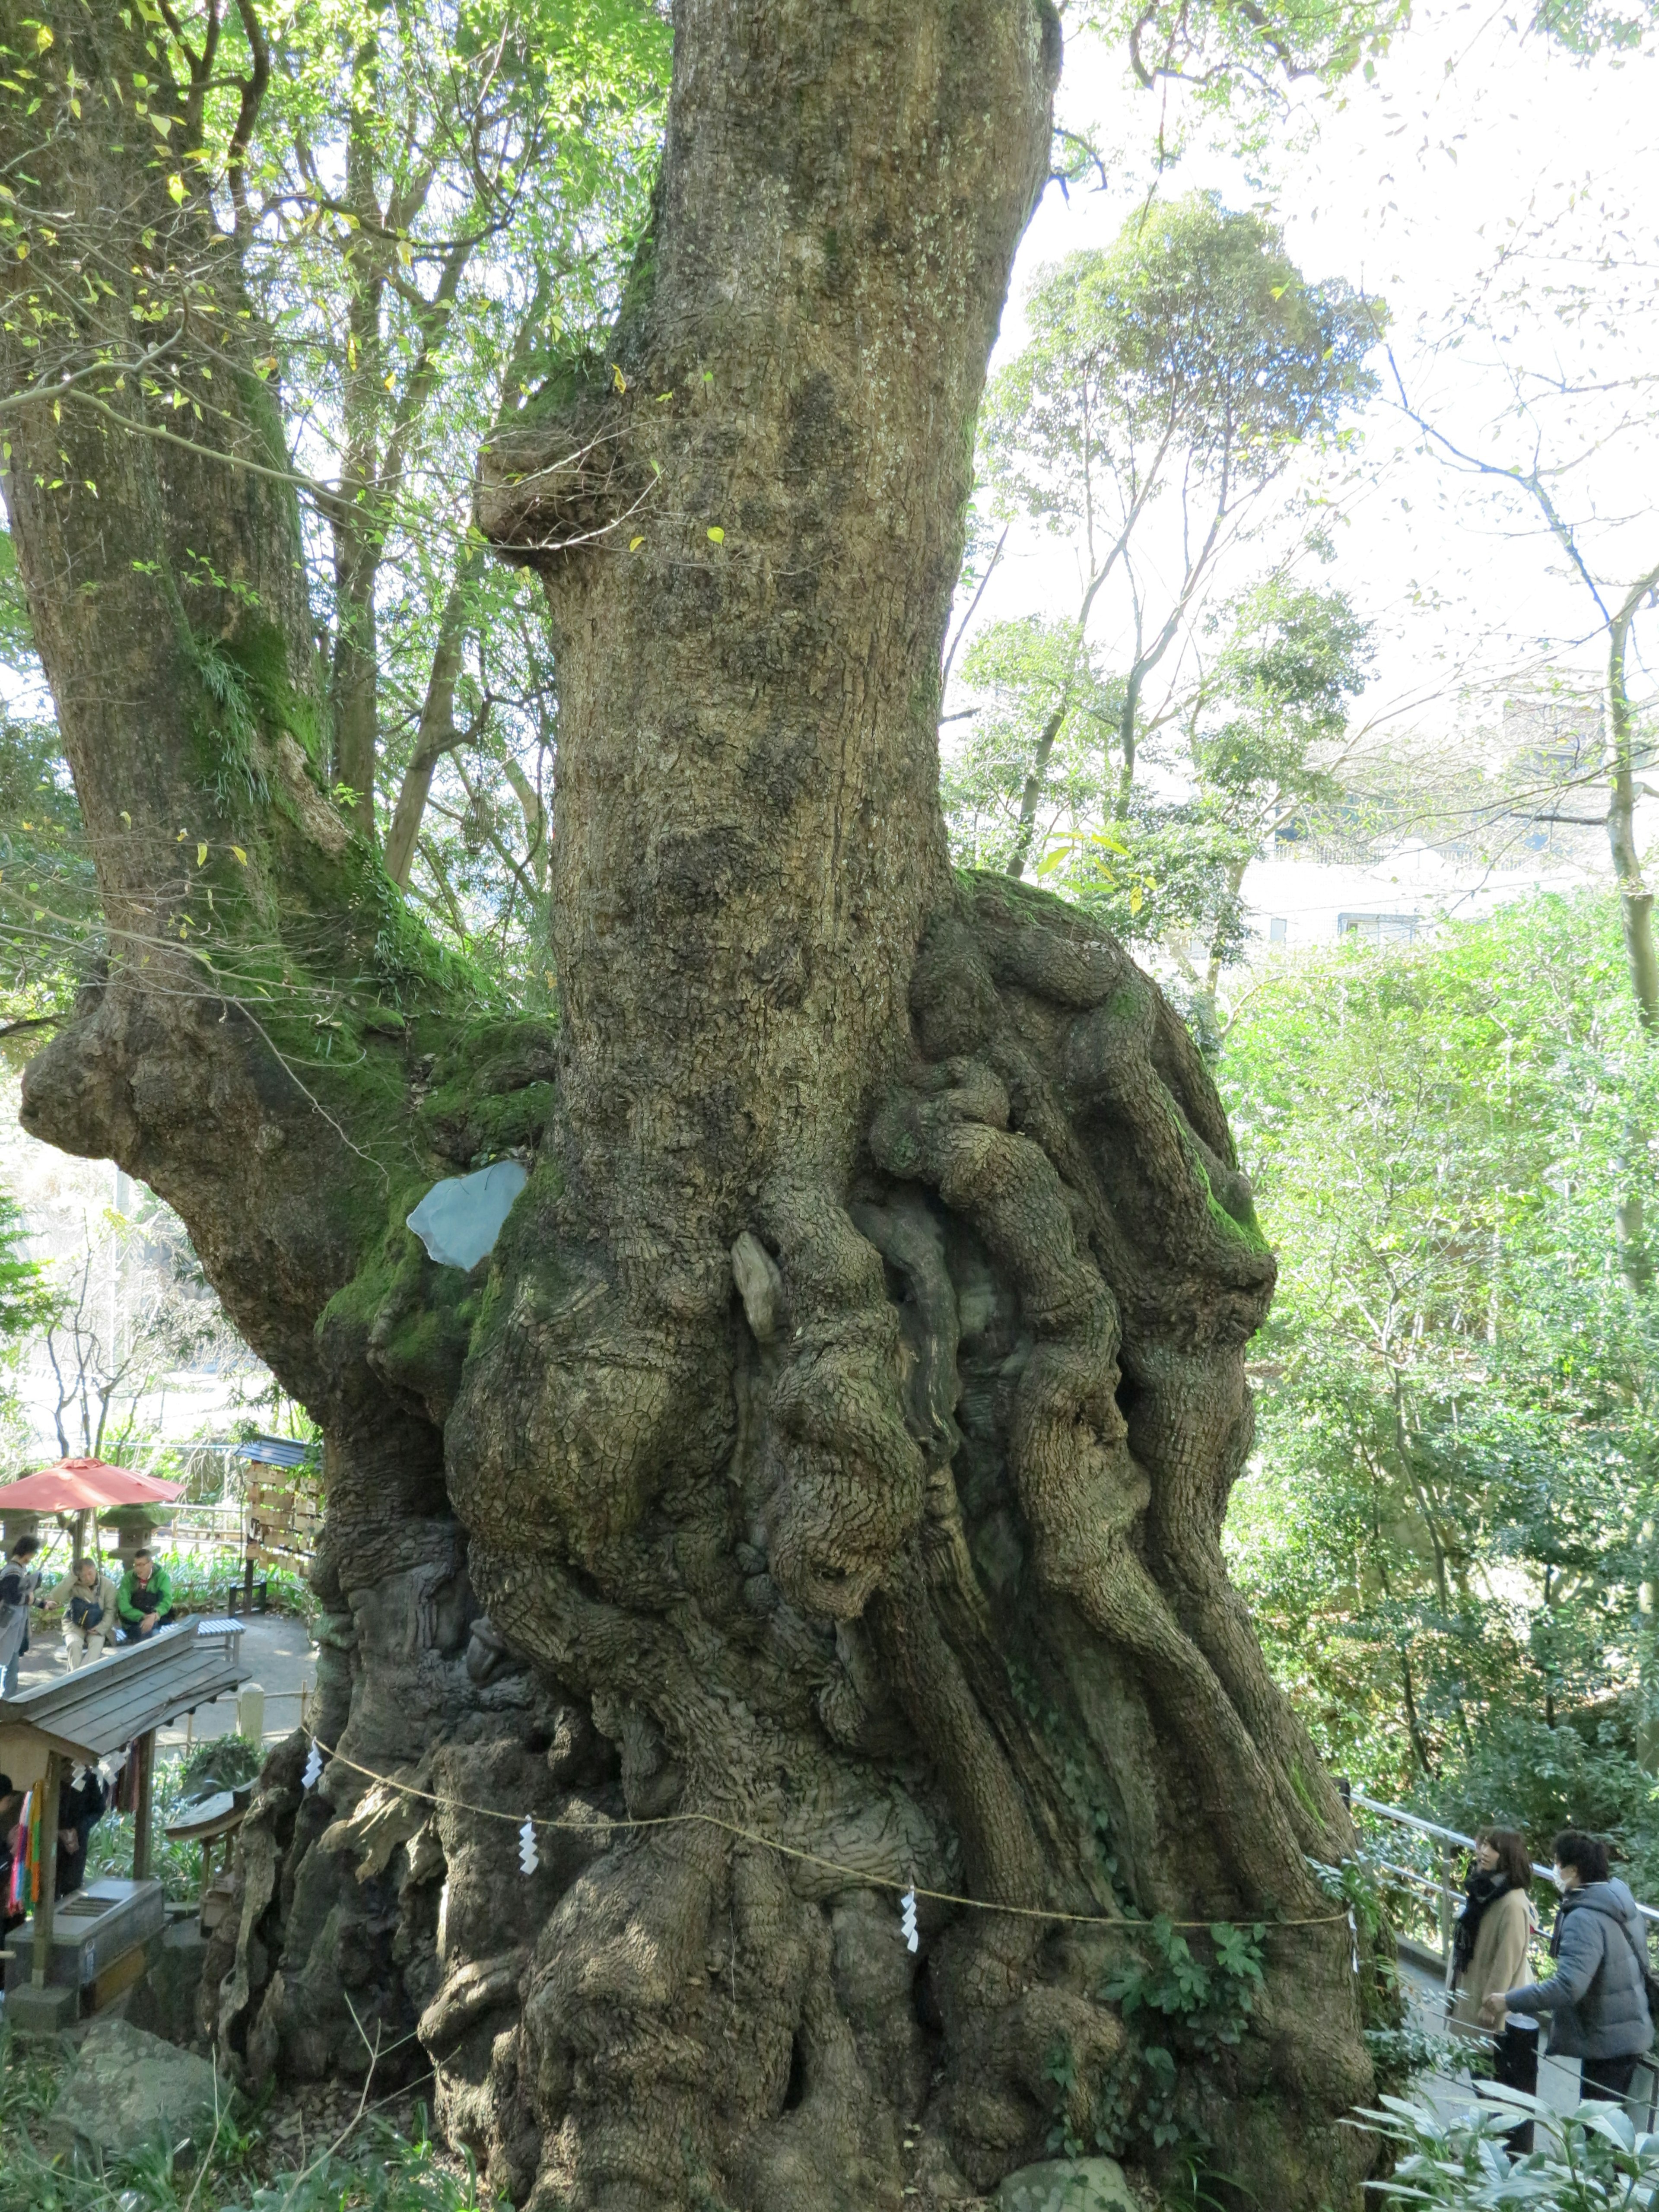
(80, 1805)
(144, 1600)
(18, 1582)
(1489, 1953)
(1597, 1996)
(11, 1842)
(88, 1598)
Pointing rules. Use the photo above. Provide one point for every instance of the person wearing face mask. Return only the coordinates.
(1489, 1953)
(1597, 1996)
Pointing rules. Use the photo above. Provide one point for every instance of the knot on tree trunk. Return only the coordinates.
(562, 475)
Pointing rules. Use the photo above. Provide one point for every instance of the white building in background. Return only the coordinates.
(1548, 836)
(1301, 901)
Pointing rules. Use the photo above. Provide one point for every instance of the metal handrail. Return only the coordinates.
(1646, 2110)
(1404, 1820)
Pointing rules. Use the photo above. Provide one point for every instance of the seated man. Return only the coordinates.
(80, 1804)
(88, 1598)
(144, 1600)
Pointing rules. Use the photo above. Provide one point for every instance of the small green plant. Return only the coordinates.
(177, 1866)
(1178, 2007)
(1595, 2161)
(224, 1762)
(1401, 2055)
(201, 1582)
(371, 2168)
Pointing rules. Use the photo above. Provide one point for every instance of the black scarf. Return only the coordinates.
(1480, 1891)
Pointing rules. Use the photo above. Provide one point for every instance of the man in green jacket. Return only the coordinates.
(144, 1600)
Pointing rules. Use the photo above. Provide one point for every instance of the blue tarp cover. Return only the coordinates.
(460, 1218)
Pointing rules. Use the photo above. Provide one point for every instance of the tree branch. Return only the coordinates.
(945, 673)
(247, 113)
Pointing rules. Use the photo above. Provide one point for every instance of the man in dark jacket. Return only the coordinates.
(1597, 1996)
(11, 1804)
(80, 1805)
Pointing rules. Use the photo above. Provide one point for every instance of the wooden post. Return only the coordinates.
(80, 1540)
(144, 1753)
(1446, 1911)
(45, 1911)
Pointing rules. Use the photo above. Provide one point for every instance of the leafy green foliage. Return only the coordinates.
(27, 1300)
(1168, 385)
(1193, 349)
(200, 1581)
(28, 1304)
(176, 1866)
(1180, 2008)
(1584, 28)
(1446, 1531)
(1593, 2160)
(1290, 659)
(48, 896)
(375, 2169)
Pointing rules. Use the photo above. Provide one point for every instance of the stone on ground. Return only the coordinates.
(1068, 2184)
(127, 2089)
(164, 2002)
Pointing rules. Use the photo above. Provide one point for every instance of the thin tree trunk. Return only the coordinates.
(436, 732)
(1635, 899)
(1031, 796)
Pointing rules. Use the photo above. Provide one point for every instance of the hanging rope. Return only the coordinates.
(860, 1876)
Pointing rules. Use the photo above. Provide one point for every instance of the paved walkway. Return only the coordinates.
(1558, 2078)
(276, 1649)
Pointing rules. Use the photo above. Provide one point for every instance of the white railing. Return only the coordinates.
(1440, 1895)
(1439, 1892)
(207, 1524)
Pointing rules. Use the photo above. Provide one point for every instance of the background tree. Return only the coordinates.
(1259, 750)
(115, 1320)
(1444, 1536)
(829, 1464)
(1544, 412)
(1037, 763)
(1170, 385)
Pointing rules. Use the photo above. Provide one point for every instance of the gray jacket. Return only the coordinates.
(17, 1588)
(1596, 1998)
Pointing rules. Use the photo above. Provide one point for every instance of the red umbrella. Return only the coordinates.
(84, 1485)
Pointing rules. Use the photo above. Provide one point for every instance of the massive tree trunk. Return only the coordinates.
(828, 1465)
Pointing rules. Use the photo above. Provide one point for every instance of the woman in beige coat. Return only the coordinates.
(1489, 1954)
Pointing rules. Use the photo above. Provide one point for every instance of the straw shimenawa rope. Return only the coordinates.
(861, 1876)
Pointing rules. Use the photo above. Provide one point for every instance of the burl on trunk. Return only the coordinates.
(828, 1465)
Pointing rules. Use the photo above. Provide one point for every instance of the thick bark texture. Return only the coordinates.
(828, 1465)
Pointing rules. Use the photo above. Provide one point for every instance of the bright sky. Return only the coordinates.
(1480, 165)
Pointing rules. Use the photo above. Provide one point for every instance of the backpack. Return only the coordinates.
(1645, 1974)
(1649, 1979)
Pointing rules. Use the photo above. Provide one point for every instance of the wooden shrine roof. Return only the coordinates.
(99, 1709)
